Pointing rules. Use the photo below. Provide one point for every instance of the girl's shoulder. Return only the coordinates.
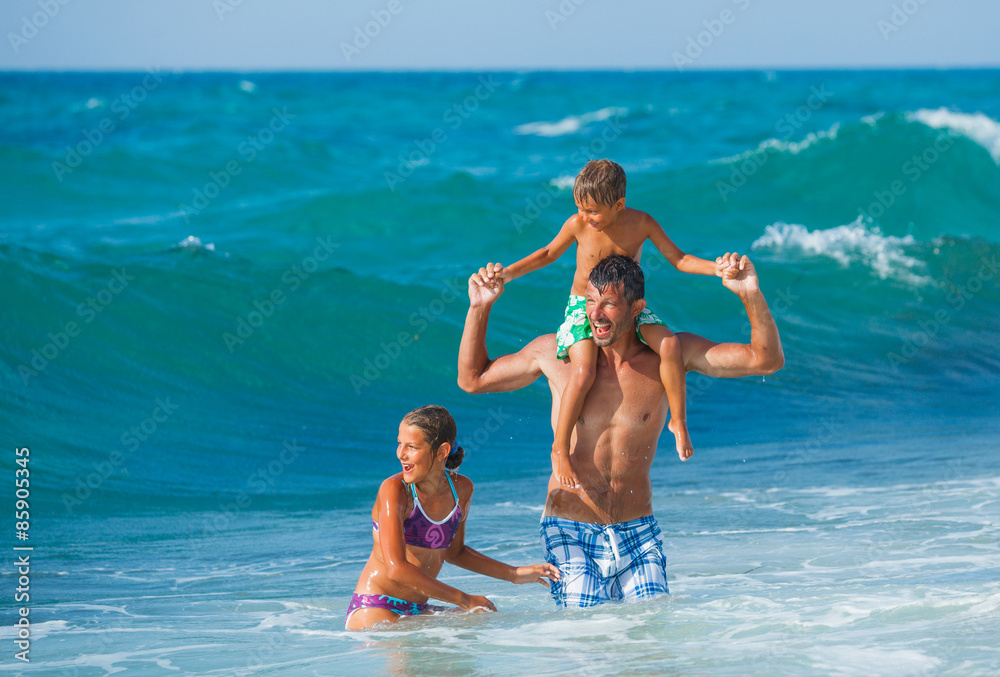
(463, 486)
(394, 487)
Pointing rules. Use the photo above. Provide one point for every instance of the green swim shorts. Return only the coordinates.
(576, 326)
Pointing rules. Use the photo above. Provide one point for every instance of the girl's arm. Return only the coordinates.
(463, 556)
(685, 263)
(391, 503)
(544, 256)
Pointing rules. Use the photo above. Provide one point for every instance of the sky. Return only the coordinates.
(489, 35)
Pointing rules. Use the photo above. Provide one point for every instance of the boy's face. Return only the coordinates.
(599, 216)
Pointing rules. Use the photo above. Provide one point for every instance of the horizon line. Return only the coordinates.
(721, 69)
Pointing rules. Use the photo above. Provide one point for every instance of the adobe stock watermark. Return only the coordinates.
(494, 421)
(785, 127)
(900, 16)
(247, 151)
(562, 12)
(30, 26)
(266, 306)
(121, 108)
(913, 170)
(59, 340)
(714, 28)
(536, 205)
(363, 36)
(957, 297)
(258, 482)
(131, 440)
(224, 7)
(420, 320)
(453, 118)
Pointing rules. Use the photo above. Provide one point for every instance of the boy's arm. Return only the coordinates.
(685, 263)
(544, 256)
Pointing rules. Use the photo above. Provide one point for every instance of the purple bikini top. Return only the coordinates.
(421, 531)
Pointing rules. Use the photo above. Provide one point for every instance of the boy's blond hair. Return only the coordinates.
(602, 181)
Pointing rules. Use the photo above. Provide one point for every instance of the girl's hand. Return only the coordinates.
(479, 604)
(535, 574)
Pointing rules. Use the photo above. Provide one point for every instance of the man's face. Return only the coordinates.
(610, 315)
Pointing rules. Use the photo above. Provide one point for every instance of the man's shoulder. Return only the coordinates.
(542, 350)
(543, 346)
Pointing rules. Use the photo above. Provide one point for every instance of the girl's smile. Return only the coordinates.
(414, 453)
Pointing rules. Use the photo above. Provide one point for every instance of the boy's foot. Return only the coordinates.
(563, 470)
(681, 438)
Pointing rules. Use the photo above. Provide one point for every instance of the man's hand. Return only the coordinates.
(486, 286)
(739, 276)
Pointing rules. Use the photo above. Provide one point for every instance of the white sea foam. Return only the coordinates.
(784, 146)
(853, 660)
(982, 129)
(855, 243)
(568, 125)
(38, 630)
(872, 120)
(193, 242)
(521, 506)
(563, 182)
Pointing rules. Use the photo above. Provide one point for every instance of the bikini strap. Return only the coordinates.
(453, 492)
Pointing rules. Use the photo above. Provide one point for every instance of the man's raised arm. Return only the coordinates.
(477, 373)
(763, 355)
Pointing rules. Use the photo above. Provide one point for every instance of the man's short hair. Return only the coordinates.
(602, 181)
(619, 270)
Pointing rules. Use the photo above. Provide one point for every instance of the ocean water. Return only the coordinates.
(221, 292)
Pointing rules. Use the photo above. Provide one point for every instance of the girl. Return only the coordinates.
(418, 524)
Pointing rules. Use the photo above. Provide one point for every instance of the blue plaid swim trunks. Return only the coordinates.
(604, 562)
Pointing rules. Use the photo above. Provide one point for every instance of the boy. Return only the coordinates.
(603, 225)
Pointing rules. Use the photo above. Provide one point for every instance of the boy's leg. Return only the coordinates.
(583, 359)
(672, 374)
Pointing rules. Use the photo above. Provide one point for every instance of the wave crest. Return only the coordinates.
(568, 125)
(980, 128)
(855, 243)
(785, 146)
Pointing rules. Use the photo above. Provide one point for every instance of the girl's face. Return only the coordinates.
(415, 454)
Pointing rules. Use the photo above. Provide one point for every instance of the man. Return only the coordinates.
(602, 535)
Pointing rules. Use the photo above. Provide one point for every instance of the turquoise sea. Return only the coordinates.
(221, 292)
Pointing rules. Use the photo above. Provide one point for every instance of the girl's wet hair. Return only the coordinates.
(438, 427)
(619, 271)
(602, 181)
